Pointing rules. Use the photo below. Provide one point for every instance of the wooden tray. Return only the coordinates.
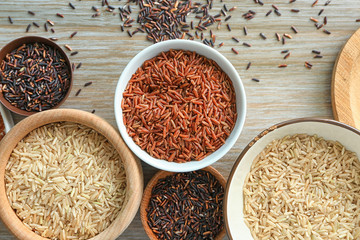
(345, 86)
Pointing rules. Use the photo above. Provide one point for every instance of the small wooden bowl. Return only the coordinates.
(147, 195)
(32, 39)
(131, 164)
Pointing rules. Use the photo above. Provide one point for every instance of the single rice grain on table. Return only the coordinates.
(179, 106)
(65, 181)
(303, 187)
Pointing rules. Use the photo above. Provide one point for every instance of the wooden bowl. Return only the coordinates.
(147, 195)
(32, 39)
(131, 164)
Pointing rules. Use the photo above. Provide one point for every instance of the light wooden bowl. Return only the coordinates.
(131, 164)
(147, 195)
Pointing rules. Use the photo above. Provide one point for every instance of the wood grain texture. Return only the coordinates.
(345, 85)
(282, 93)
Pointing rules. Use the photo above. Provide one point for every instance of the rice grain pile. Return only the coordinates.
(179, 106)
(65, 181)
(303, 187)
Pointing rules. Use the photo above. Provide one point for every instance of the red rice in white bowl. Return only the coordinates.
(174, 165)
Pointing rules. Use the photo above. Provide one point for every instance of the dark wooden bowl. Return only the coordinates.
(32, 39)
(147, 195)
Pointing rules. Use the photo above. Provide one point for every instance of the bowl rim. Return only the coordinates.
(7, 118)
(32, 39)
(142, 56)
(132, 167)
(162, 174)
(257, 138)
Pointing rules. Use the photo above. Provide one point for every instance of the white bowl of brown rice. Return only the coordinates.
(298, 179)
(180, 105)
(67, 174)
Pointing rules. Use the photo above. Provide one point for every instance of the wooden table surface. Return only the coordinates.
(281, 94)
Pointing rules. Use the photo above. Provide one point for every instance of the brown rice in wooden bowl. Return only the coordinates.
(298, 179)
(67, 174)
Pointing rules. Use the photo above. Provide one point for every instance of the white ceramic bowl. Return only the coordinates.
(201, 49)
(6, 116)
(348, 136)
